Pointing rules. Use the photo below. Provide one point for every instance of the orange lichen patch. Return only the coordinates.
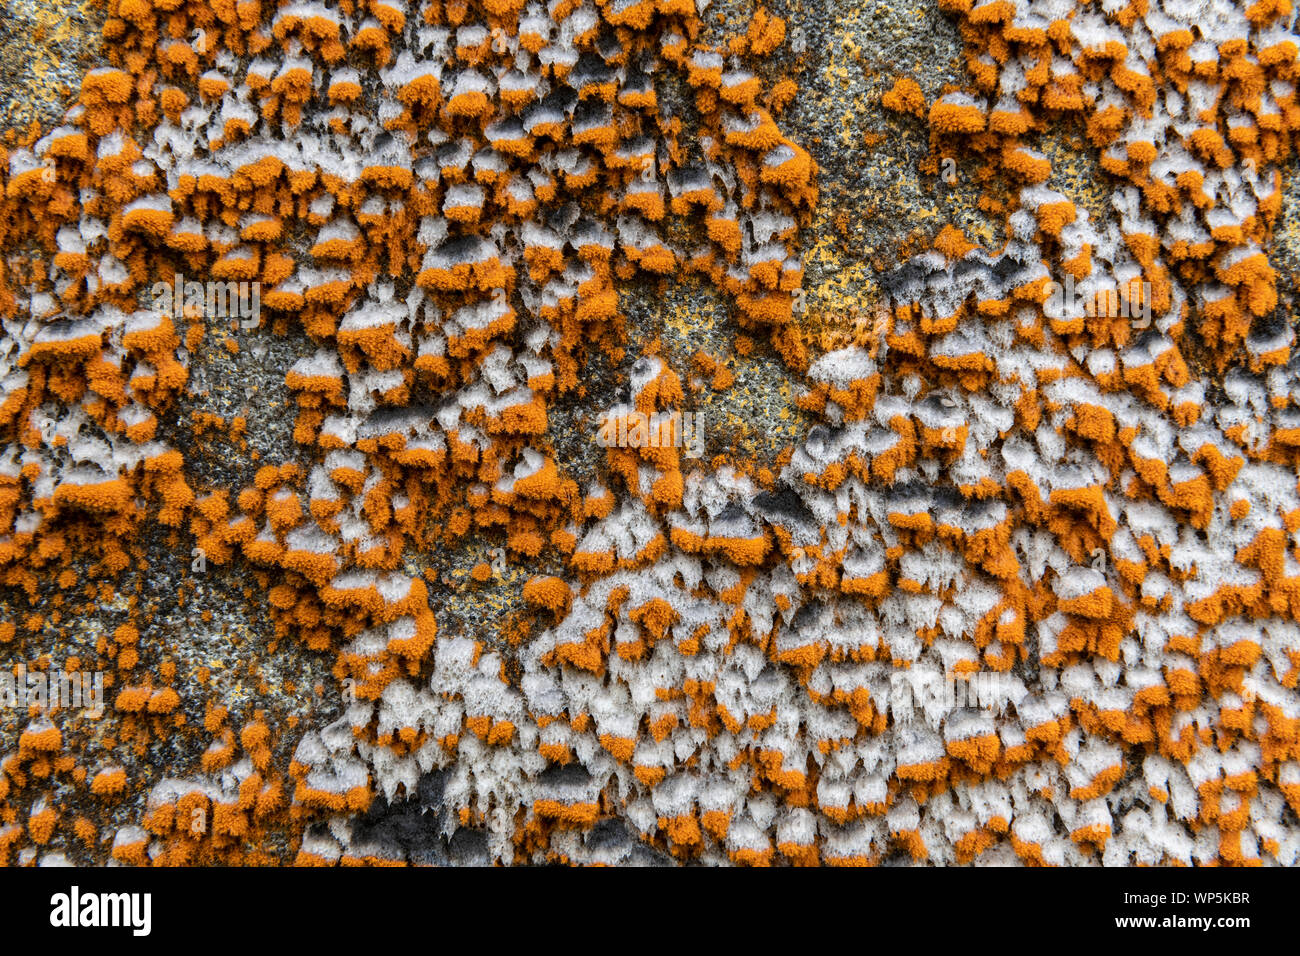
(41, 823)
(580, 815)
(956, 116)
(550, 593)
(989, 481)
(148, 218)
(905, 97)
(37, 740)
(109, 783)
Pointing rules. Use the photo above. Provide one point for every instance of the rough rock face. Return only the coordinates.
(439, 432)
